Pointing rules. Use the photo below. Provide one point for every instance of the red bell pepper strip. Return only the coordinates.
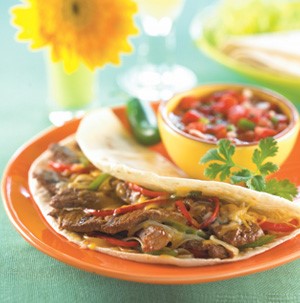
(146, 192)
(129, 208)
(117, 242)
(125, 209)
(71, 168)
(279, 227)
(181, 206)
(100, 213)
(214, 215)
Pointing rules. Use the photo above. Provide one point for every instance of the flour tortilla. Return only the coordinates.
(278, 53)
(106, 153)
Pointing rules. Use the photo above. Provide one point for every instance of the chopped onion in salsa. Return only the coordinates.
(236, 115)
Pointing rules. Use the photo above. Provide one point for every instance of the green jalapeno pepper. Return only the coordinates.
(142, 121)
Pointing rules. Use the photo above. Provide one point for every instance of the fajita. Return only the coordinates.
(104, 192)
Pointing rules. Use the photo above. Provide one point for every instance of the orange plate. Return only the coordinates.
(29, 222)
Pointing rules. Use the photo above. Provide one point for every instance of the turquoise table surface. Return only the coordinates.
(28, 275)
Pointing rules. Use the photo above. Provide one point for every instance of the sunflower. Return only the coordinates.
(94, 32)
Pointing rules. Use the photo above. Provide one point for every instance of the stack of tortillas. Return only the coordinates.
(275, 52)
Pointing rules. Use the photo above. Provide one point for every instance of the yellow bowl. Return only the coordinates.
(186, 150)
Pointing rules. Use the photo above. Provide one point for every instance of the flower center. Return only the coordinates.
(75, 8)
(77, 12)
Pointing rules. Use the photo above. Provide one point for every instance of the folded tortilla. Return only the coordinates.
(105, 143)
(274, 52)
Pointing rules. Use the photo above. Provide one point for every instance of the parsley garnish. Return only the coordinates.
(223, 164)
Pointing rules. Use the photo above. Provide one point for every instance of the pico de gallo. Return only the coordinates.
(239, 116)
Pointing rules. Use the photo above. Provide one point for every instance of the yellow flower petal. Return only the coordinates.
(93, 32)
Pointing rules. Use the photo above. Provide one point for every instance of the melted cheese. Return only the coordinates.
(229, 247)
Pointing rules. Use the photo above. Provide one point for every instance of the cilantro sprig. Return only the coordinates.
(223, 164)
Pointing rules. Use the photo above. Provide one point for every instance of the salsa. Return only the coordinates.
(239, 116)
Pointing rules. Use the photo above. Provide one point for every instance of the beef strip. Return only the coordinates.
(72, 197)
(63, 154)
(154, 238)
(131, 219)
(50, 180)
(239, 236)
(199, 209)
(200, 249)
(79, 221)
(125, 193)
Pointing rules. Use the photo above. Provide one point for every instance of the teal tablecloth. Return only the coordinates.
(26, 274)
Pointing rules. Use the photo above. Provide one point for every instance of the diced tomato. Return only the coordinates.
(263, 132)
(265, 122)
(280, 227)
(189, 102)
(220, 131)
(255, 114)
(247, 136)
(224, 104)
(237, 112)
(191, 116)
(196, 125)
(252, 117)
(219, 94)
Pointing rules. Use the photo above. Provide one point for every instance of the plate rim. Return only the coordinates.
(27, 234)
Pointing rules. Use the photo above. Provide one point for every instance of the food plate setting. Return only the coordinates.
(183, 183)
(27, 215)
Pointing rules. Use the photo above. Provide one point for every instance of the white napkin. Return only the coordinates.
(275, 52)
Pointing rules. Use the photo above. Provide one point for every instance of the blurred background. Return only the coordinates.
(23, 79)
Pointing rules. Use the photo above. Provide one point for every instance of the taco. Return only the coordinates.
(100, 196)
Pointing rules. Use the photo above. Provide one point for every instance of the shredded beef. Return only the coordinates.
(50, 180)
(125, 193)
(129, 220)
(154, 238)
(79, 221)
(198, 209)
(63, 154)
(71, 197)
(200, 249)
(239, 236)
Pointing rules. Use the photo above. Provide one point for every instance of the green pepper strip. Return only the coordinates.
(187, 229)
(259, 242)
(94, 185)
(164, 251)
